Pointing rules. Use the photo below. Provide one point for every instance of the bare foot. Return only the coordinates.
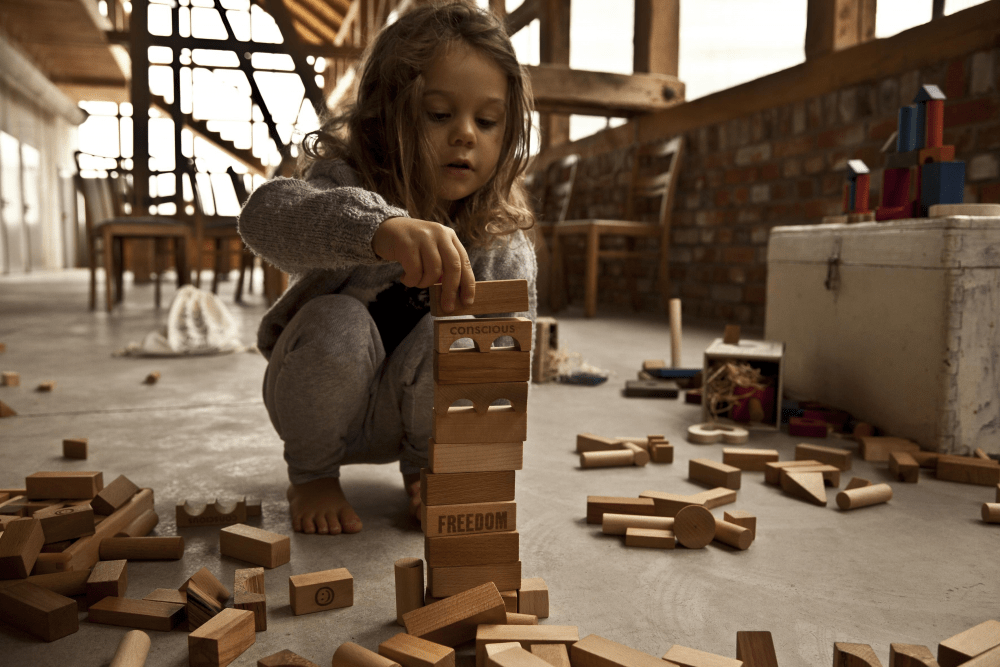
(320, 507)
(412, 484)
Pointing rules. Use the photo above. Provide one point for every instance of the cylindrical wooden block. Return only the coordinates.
(351, 655)
(617, 524)
(409, 586)
(141, 526)
(608, 459)
(675, 333)
(694, 527)
(991, 512)
(641, 455)
(142, 548)
(132, 650)
(521, 619)
(863, 496)
(735, 536)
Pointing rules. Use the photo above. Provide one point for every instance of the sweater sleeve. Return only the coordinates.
(324, 222)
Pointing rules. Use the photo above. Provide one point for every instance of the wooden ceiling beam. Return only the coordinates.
(305, 33)
(526, 12)
(324, 12)
(325, 50)
(559, 89)
(316, 25)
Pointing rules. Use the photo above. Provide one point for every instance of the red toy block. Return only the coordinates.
(807, 428)
(937, 154)
(862, 182)
(935, 124)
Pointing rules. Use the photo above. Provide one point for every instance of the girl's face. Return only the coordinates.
(465, 102)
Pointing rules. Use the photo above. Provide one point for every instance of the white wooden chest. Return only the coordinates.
(896, 322)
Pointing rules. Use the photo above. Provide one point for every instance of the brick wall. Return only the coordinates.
(781, 166)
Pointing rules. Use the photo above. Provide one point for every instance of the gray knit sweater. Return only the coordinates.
(320, 231)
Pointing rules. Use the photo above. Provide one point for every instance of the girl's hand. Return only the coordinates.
(429, 253)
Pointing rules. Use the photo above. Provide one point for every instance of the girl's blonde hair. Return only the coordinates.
(382, 134)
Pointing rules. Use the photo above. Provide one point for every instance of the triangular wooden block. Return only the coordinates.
(911, 655)
(805, 486)
(854, 655)
(6, 410)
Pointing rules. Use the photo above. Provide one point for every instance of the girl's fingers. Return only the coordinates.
(430, 257)
(450, 281)
(413, 270)
(467, 279)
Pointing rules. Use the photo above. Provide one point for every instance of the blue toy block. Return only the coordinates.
(941, 183)
(920, 126)
(906, 139)
(852, 200)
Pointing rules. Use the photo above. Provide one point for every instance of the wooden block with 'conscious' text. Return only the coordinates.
(483, 331)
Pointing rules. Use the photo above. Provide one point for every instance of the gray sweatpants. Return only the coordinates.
(334, 396)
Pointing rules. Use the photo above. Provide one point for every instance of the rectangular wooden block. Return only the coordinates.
(831, 474)
(748, 459)
(67, 485)
(319, 591)
(440, 520)
(652, 538)
(968, 644)
(475, 457)
(285, 658)
(525, 635)
(482, 395)
(468, 366)
(588, 442)
(712, 498)
(168, 595)
(75, 448)
(555, 654)
(212, 514)
(661, 453)
(877, 448)
(483, 331)
(714, 473)
(249, 594)
(69, 584)
(113, 496)
(107, 578)
(510, 601)
(533, 597)
(446, 581)
(65, 521)
(968, 470)
(478, 549)
(221, 640)
(141, 614)
(201, 606)
(904, 467)
(596, 651)
(454, 620)
(772, 471)
(667, 504)
(209, 584)
(493, 297)
(409, 651)
(597, 506)
(911, 655)
(689, 657)
(501, 423)
(741, 518)
(834, 456)
(20, 543)
(510, 654)
(755, 649)
(38, 611)
(254, 545)
(463, 488)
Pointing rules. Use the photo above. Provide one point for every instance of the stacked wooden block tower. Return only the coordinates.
(469, 514)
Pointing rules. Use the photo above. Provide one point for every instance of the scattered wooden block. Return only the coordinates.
(911, 655)
(483, 332)
(618, 524)
(968, 470)
(736, 536)
(464, 488)
(141, 525)
(254, 545)
(864, 496)
(6, 410)
(168, 595)
(215, 514)
(773, 472)
(201, 606)
(67, 485)
(877, 448)
(471, 457)
(904, 467)
(409, 573)
(640, 454)
(661, 452)
(107, 578)
(998, 493)
(142, 548)
(69, 584)
(588, 442)
(694, 527)
(748, 459)
(618, 458)
(47, 386)
(991, 512)
(10, 379)
(713, 473)
(709, 432)
(987, 659)
(209, 585)
(555, 654)
(514, 618)
(689, 657)
(410, 651)
(75, 448)
(533, 597)
(222, 639)
(152, 378)
(755, 648)
(454, 620)
(38, 611)
(980, 453)
(319, 591)
(285, 658)
(664, 504)
(926, 459)
(806, 486)
(969, 644)
(446, 581)
(113, 496)
(650, 538)
(854, 655)
(142, 614)
(248, 593)
(804, 427)
(731, 336)
(830, 474)
(512, 657)
(492, 297)
(526, 635)
(20, 543)
(713, 498)
(350, 654)
(470, 518)
(479, 549)
(66, 521)
(509, 601)
(596, 651)
(744, 519)
(857, 483)
(132, 650)
(834, 456)
(14, 506)
(501, 423)
(597, 506)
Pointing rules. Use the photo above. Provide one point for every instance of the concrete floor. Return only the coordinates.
(917, 570)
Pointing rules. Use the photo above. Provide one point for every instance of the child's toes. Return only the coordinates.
(350, 521)
(309, 523)
(331, 523)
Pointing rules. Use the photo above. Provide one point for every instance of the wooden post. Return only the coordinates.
(554, 49)
(140, 96)
(656, 41)
(833, 25)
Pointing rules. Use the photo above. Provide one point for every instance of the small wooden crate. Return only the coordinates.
(546, 339)
(765, 355)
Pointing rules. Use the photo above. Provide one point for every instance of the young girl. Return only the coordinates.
(417, 183)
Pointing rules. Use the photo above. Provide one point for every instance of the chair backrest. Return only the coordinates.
(654, 176)
(98, 200)
(560, 176)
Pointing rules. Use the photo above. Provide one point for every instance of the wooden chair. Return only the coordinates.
(664, 160)
(220, 230)
(109, 224)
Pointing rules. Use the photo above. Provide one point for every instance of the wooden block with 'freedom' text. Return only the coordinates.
(441, 520)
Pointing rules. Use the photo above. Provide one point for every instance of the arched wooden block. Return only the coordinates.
(481, 395)
(216, 514)
(483, 331)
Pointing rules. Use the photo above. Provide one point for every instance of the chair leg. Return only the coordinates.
(109, 268)
(181, 261)
(218, 266)
(92, 256)
(119, 269)
(590, 288)
(630, 275)
(244, 263)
